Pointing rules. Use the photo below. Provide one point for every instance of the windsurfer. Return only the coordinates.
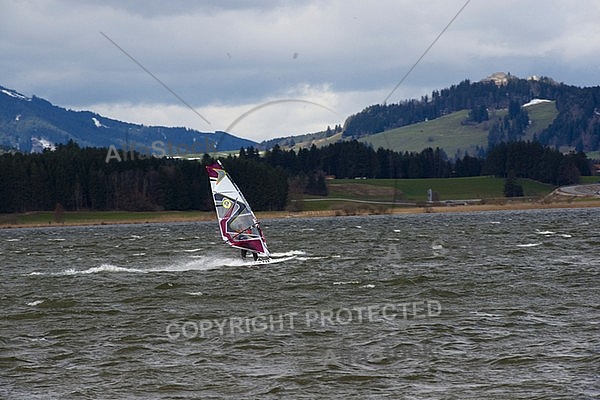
(237, 223)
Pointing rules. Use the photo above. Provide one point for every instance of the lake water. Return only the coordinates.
(439, 306)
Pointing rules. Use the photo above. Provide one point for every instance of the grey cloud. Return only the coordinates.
(240, 52)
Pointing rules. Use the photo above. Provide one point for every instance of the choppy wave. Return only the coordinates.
(511, 303)
(525, 245)
(545, 233)
(197, 263)
(102, 268)
(551, 233)
(288, 254)
(312, 258)
(203, 263)
(353, 282)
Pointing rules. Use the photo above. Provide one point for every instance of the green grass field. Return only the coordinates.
(477, 187)
(415, 190)
(587, 180)
(98, 217)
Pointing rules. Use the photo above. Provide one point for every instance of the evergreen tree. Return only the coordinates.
(511, 187)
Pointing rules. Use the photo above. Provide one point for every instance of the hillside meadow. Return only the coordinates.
(451, 133)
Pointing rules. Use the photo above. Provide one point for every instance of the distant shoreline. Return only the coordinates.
(10, 221)
(440, 209)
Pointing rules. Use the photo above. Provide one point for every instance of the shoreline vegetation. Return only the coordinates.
(90, 218)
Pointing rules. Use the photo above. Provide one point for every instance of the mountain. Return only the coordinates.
(31, 124)
(501, 101)
(319, 139)
(473, 116)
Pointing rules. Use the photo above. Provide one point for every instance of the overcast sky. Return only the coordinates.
(225, 57)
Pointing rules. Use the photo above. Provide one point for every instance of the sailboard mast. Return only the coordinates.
(238, 225)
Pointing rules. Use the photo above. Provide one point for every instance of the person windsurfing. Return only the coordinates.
(237, 223)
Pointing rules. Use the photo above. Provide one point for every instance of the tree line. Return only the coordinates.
(351, 159)
(80, 178)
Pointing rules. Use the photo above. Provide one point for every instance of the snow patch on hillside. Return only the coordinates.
(14, 94)
(98, 123)
(38, 144)
(536, 101)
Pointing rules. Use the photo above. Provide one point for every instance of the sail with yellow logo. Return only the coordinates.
(237, 223)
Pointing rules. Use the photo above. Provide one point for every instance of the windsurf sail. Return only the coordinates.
(237, 223)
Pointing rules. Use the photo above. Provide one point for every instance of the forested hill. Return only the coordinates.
(577, 124)
(31, 124)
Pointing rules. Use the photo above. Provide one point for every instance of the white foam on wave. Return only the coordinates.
(191, 263)
(197, 264)
(346, 283)
(483, 314)
(195, 293)
(35, 303)
(288, 254)
(93, 270)
(529, 245)
(100, 269)
(546, 233)
(368, 286)
(192, 250)
(311, 258)
(550, 233)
